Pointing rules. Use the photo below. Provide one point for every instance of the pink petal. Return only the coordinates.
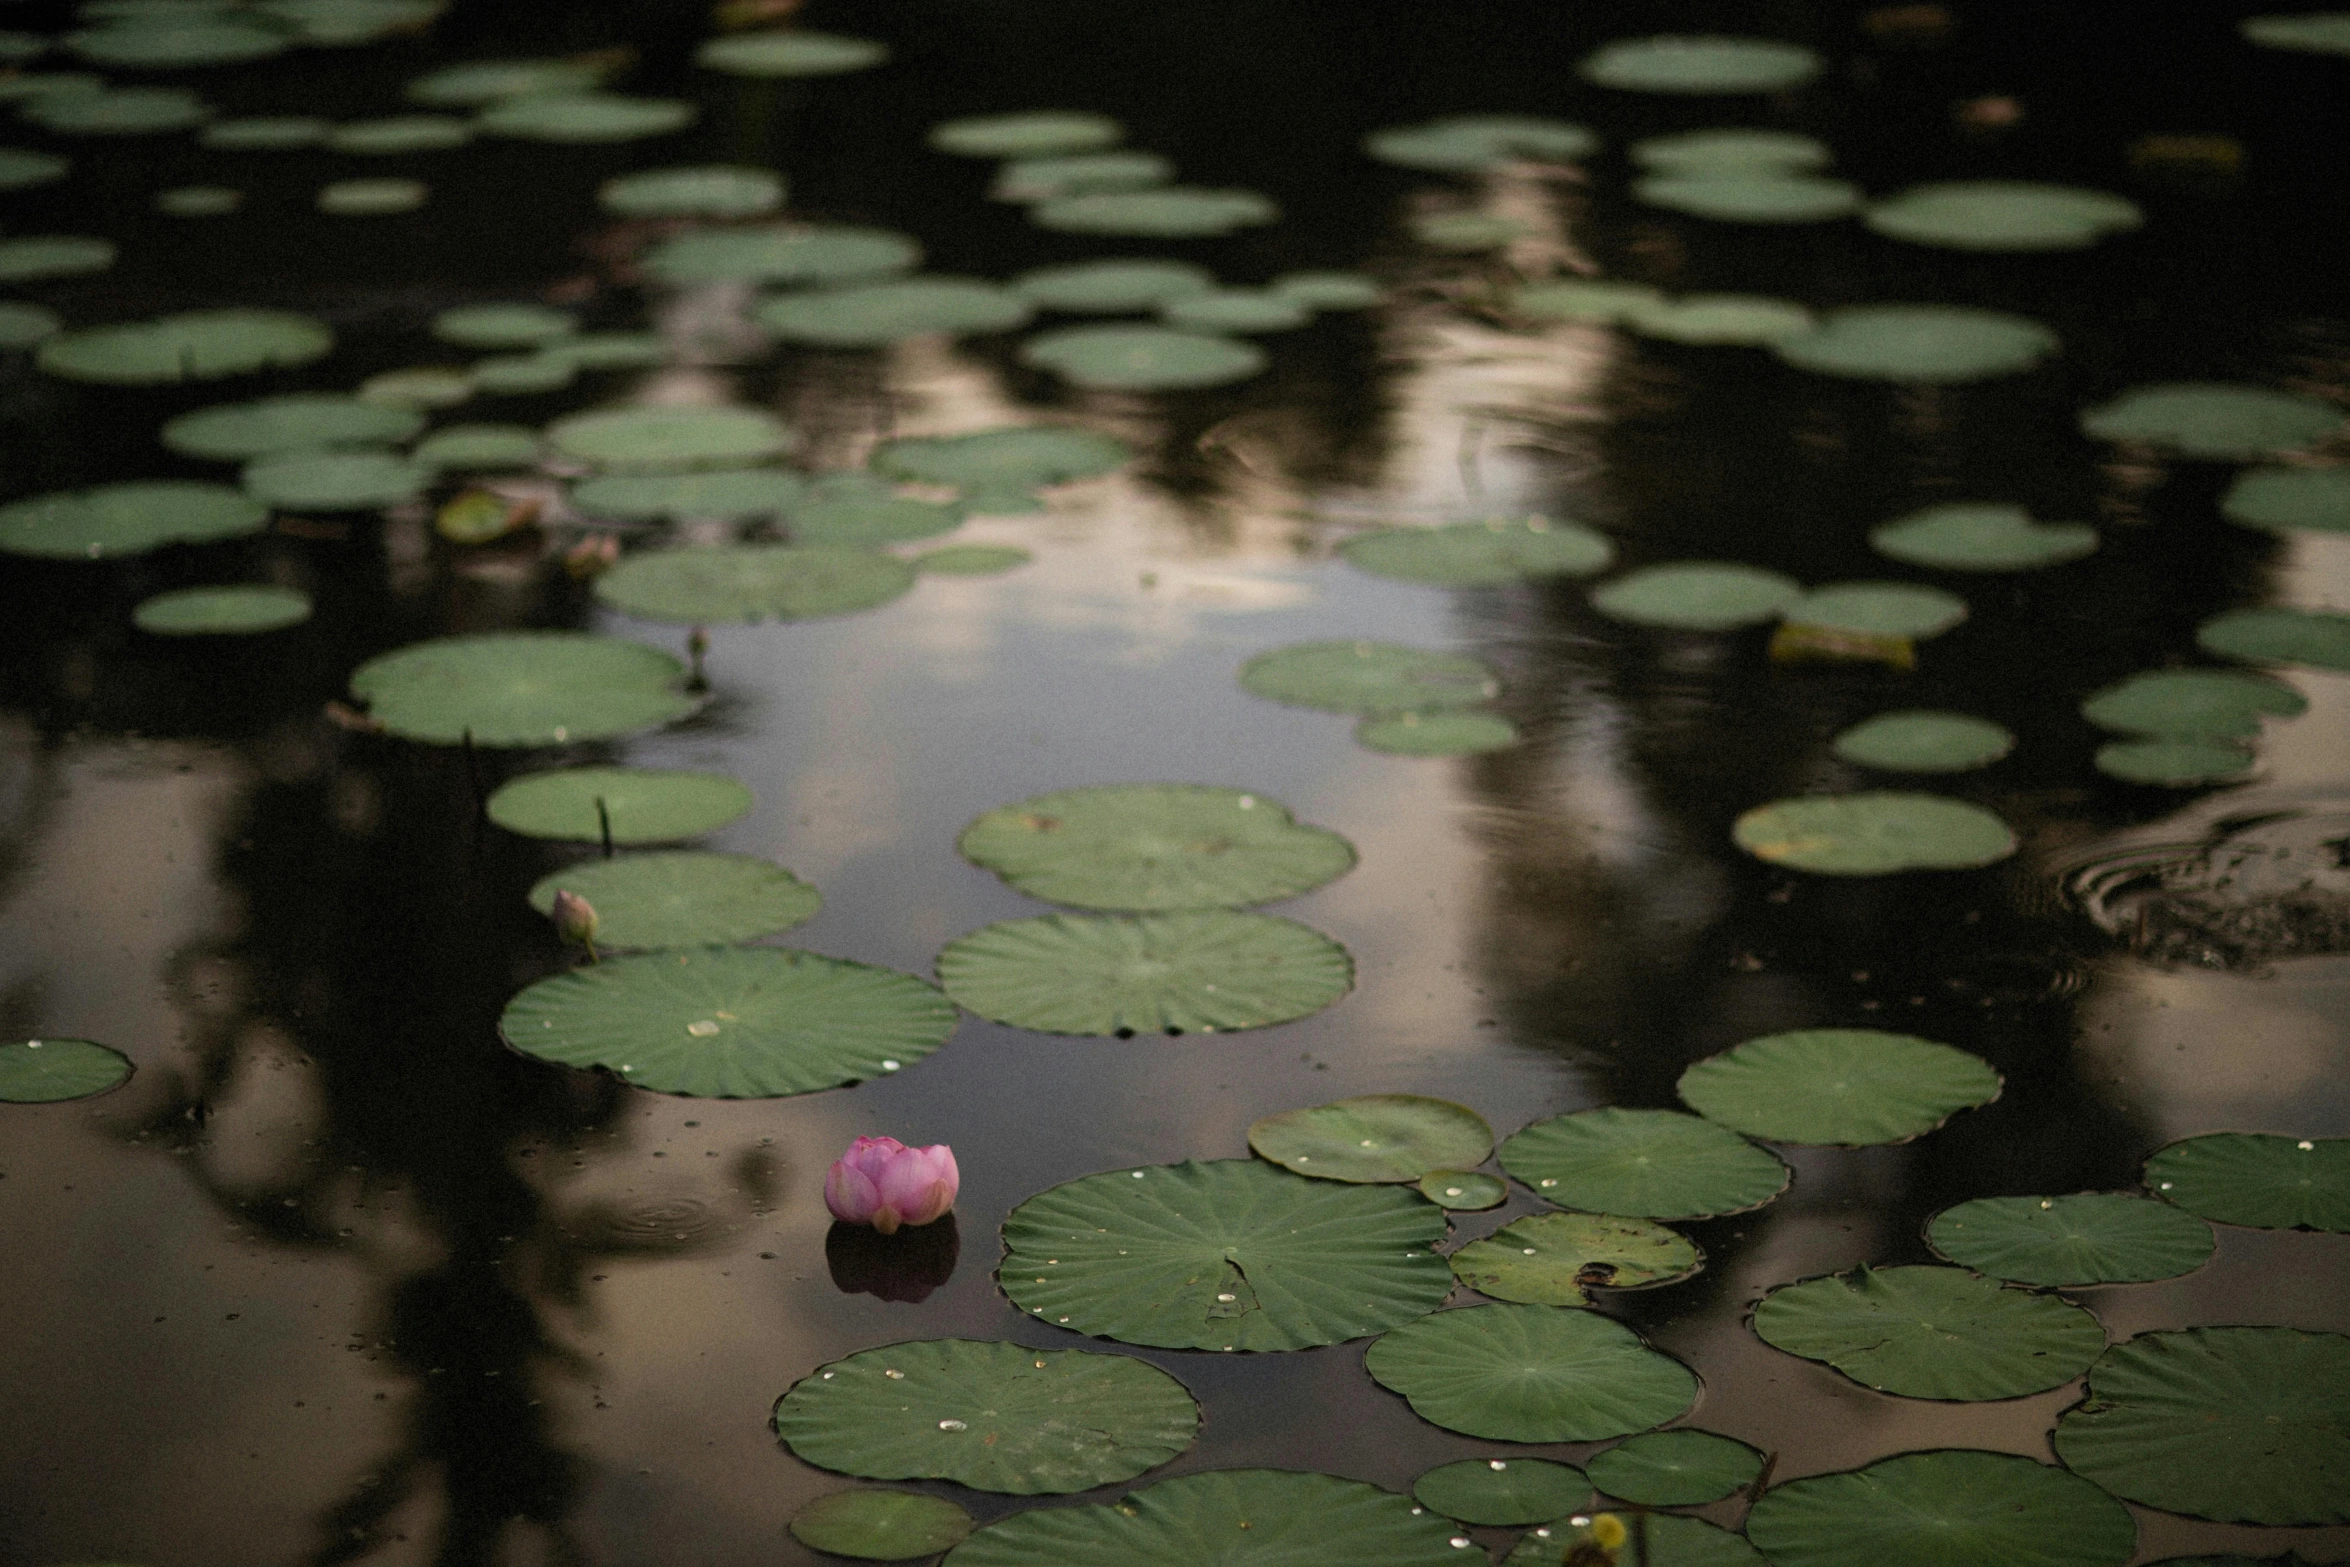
(851, 1194)
(872, 1155)
(935, 1199)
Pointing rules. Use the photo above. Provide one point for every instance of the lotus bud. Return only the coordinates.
(575, 919)
(592, 556)
(882, 1182)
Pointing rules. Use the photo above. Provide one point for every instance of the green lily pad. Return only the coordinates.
(1016, 457)
(419, 386)
(1469, 143)
(400, 133)
(241, 610)
(1246, 1517)
(372, 198)
(990, 1415)
(874, 315)
(1953, 1507)
(116, 111)
(127, 519)
(1478, 554)
(582, 117)
(1136, 847)
(1879, 609)
(1329, 290)
(1923, 742)
(1070, 174)
(641, 804)
(1673, 1541)
(1874, 833)
(666, 440)
(1932, 344)
(2309, 637)
(1684, 1468)
(746, 582)
(1654, 1164)
(342, 23)
(475, 83)
(45, 1071)
(1530, 1374)
(1464, 1191)
(1698, 64)
(1502, 1490)
(790, 52)
(1196, 971)
(1467, 231)
(971, 560)
(1697, 596)
(1751, 195)
(21, 169)
(2214, 420)
(682, 898)
(735, 494)
(881, 1526)
(1368, 678)
(731, 1022)
(2318, 32)
(200, 345)
(2175, 764)
(503, 325)
(1841, 1087)
(1031, 133)
(1979, 537)
(1926, 1332)
(2084, 1238)
(199, 201)
(1169, 211)
(23, 325)
(2257, 1180)
(266, 133)
(1111, 287)
(1551, 1259)
(1373, 1138)
(2283, 499)
(782, 253)
(1585, 299)
(1722, 320)
(1436, 734)
(522, 375)
(40, 256)
(1224, 1254)
(715, 191)
(479, 446)
(1236, 310)
(296, 422)
(335, 480)
(881, 520)
(522, 688)
(1730, 148)
(1142, 358)
(2240, 1425)
(2004, 215)
(2192, 704)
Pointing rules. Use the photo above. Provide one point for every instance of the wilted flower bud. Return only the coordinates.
(575, 919)
(882, 1182)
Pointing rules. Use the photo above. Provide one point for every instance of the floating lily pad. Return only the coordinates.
(1373, 1137)
(335, 481)
(1722, 320)
(522, 688)
(1469, 143)
(296, 422)
(1170, 211)
(666, 439)
(1730, 148)
(1978, 537)
(683, 898)
(1184, 972)
(1926, 1332)
(1933, 344)
(1224, 1254)
(1697, 596)
(882, 520)
(1751, 195)
(1656, 1164)
(1368, 678)
(1329, 290)
(45, 1071)
(23, 325)
(718, 191)
(1846, 1087)
(791, 52)
(40, 256)
(2257, 1180)
(1467, 231)
(782, 253)
(400, 133)
(243, 610)
(478, 446)
(1879, 609)
(1671, 63)
(1247, 1517)
(1585, 299)
(1477, 554)
(2283, 499)
(1135, 847)
(1676, 1468)
(743, 582)
(1453, 733)
(201, 345)
(199, 201)
(116, 111)
(1954, 1507)
(1070, 174)
(266, 133)
(2192, 704)
(1032, 133)
(2309, 637)
(1236, 310)
(972, 560)
(873, 315)
(1874, 833)
(2175, 764)
(1464, 1191)
(503, 325)
(2214, 420)
(341, 23)
(1111, 287)
(372, 198)
(1923, 742)
(731, 493)
(2006, 215)
(475, 83)
(2318, 32)
(21, 169)
(2084, 1238)
(578, 117)
(1502, 1490)
(523, 375)
(1530, 1374)
(731, 1022)
(641, 804)
(1673, 1541)
(881, 1526)
(1142, 358)
(1550, 1259)
(127, 519)
(2241, 1425)
(1017, 457)
(420, 386)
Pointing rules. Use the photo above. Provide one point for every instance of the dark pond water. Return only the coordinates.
(338, 1278)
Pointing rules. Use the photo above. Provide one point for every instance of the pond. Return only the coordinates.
(1780, 766)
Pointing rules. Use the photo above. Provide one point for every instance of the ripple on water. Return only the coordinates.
(2256, 887)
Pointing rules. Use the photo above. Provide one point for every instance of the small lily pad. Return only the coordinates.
(21, 169)
(46, 1071)
(1111, 287)
(1070, 174)
(1979, 537)
(1142, 358)
(419, 386)
(372, 198)
(734, 494)
(2317, 32)
(1656, 1164)
(1730, 148)
(747, 582)
(2003, 215)
(23, 325)
(1031, 133)
(266, 133)
(2284, 499)
(503, 325)
(881, 520)
(790, 52)
(335, 480)
(1699, 64)
(1016, 457)
(2192, 704)
(116, 111)
(683, 898)
(782, 253)
(1373, 1138)
(1464, 1191)
(1924, 742)
(477, 83)
(1585, 299)
(1879, 609)
(1453, 733)
(1927, 1332)
(201, 345)
(2314, 638)
(1165, 212)
(398, 134)
(1954, 1507)
(1502, 1490)
(522, 375)
(1874, 833)
(2257, 1180)
(639, 804)
(1697, 596)
(873, 315)
(1368, 678)
(667, 440)
(1329, 290)
(1552, 1259)
(127, 519)
(242, 610)
(1722, 320)
(479, 446)
(2084, 1238)
(2175, 764)
(716, 191)
(2214, 420)
(1751, 195)
(1467, 232)
(199, 201)
(881, 1526)
(522, 688)
(1844, 1087)
(295, 422)
(585, 117)
(971, 560)
(40, 256)
(1471, 143)
(1929, 344)
(1478, 554)
(1530, 1374)
(1684, 1468)
(1236, 310)
(1255, 1517)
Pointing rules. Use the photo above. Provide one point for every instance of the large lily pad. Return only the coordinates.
(1874, 833)
(1189, 971)
(1132, 847)
(1657, 1164)
(1979, 537)
(585, 117)
(1697, 596)
(2192, 704)
(881, 1526)
(1112, 287)
(1685, 1468)
(1164, 212)
(1926, 1332)
(2315, 638)
(637, 804)
(1470, 143)
(1232, 1517)
(335, 480)
(299, 421)
(1952, 1507)
(1030, 133)
(790, 52)
(522, 688)
(659, 439)
(1752, 195)
(1699, 64)
(881, 519)
(2003, 215)
(1142, 358)
(1924, 742)
(1844, 1087)
(200, 345)
(714, 191)
(1002, 461)
(1673, 1541)
(2242, 1425)
(1454, 733)
(1933, 344)
(1224, 1254)
(782, 253)
(503, 324)
(47, 1071)
(1502, 1490)
(740, 582)
(683, 898)
(2175, 764)
(990, 1415)
(1551, 1259)
(1476, 554)
(1879, 609)
(1531, 1374)
(243, 609)
(873, 315)
(2258, 1180)
(2284, 499)
(2214, 419)
(127, 519)
(2084, 1238)
(732, 494)
(1366, 678)
(1373, 1138)
(731, 1022)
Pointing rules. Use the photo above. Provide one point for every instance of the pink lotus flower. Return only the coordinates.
(882, 1182)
